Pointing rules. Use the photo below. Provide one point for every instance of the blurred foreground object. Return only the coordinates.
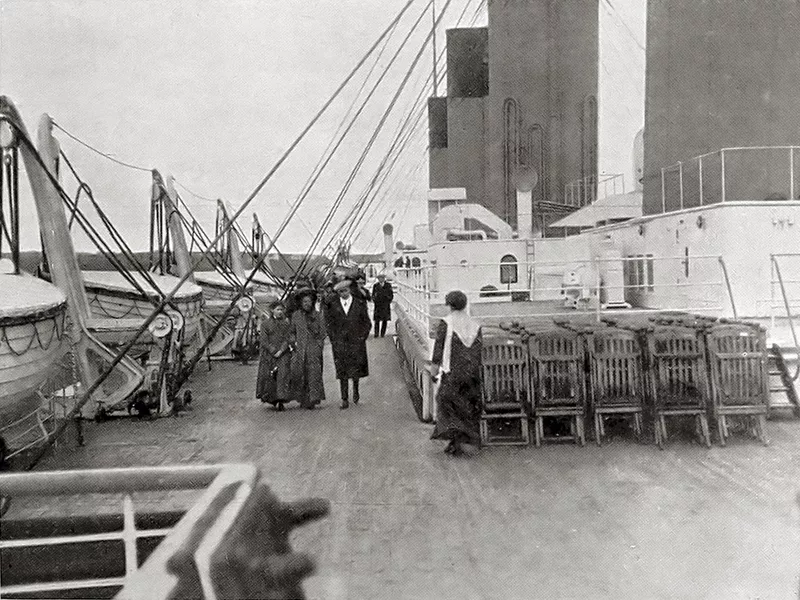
(232, 542)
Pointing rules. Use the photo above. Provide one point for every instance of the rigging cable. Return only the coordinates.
(349, 222)
(108, 156)
(77, 407)
(361, 109)
(378, 129)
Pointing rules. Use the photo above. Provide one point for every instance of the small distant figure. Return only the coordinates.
(457, 357)
(274, 364)
(348, 326)
(359, 288)
(382, 296)
(308, 330)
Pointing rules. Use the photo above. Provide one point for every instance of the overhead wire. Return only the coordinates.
(380, 125)
(103, 154)
(78, 406)
(352, 224)
(353, 121)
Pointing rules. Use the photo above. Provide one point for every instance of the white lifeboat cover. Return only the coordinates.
(112, 280)
(216, 278)
(22, 295)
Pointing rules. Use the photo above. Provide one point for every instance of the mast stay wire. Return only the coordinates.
(355, 216)
(319, 166)
(410, 173)
(353, 224)
(379, 127)
(353, 122)
(410, 196)
(78, 406)
(219, 266)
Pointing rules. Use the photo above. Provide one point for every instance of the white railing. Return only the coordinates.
(413, 293)
(731, 174)
(648, 284)
(779, 284)
(153, 579)
(589, 189)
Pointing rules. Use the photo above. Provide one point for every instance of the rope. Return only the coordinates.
(143, 327)
(306, 257)
(375, 134)
(124, 249)
(35, 336)
(103, 154)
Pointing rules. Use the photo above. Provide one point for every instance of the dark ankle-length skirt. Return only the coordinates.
(458, 409)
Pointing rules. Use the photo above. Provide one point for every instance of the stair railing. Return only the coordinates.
(789, 315)
(728, 286)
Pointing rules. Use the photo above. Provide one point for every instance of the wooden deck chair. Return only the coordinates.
(737, 356)
(557, 381)
(504, 390)
(617, 376)
(678, 379)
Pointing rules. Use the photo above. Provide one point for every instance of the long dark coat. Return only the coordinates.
(308, 330)
(349, 333)
(382, 296)
(275, 337)
(458, 399)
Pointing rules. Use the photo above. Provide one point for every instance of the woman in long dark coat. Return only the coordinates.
(457, 357)
(348, 326)
(274, 364)
(308, 329)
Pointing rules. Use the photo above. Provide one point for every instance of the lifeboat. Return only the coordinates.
(114, 304)
(32, 340)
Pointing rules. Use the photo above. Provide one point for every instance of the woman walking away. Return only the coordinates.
(274, 364)
(457, 357)
(308, 329)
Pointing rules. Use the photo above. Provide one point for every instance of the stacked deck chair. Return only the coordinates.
(557, 381)
(617, 376)
(678, 379)
(737, 356)
(504, 417)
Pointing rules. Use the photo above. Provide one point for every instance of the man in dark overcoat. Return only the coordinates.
(348, 327)
(382, 296)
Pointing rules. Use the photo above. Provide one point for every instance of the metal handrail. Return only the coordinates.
(789, 315)
(153, 579)
(728, 286)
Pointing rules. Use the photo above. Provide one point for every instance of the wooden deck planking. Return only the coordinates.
(622, 521)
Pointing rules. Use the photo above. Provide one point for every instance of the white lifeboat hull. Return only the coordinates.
(32, 340)
(117, 308)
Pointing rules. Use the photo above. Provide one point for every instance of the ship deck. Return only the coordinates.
(407, 521)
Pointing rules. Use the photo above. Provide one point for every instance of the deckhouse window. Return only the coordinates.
(508, 269)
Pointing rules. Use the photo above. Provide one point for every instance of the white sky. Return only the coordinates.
(213, 91)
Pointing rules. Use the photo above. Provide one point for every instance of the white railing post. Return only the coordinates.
(722, 172)
(597, 291)
(791, 173)
(680, 182)
(663, 192)
(700, 176)
(772, 292)
(129, 536)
